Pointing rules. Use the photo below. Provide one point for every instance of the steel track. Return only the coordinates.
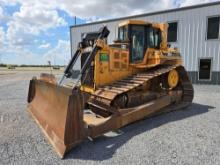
(104, 96)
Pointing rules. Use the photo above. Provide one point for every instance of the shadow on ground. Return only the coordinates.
(104, 147)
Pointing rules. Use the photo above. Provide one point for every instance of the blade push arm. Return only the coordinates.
(100, 35)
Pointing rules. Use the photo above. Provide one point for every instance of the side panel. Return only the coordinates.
(114, 68)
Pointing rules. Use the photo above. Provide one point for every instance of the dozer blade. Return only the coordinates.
(59, 113)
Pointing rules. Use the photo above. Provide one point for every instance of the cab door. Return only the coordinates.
(137, 43)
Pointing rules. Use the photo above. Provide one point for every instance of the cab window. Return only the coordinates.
(123, 33)
(154, 37)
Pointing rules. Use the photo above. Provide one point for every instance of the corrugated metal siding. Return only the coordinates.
(191, 34)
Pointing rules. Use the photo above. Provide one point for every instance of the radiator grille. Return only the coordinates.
(119, 60)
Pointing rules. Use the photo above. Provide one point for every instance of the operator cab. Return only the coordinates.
(140, 36)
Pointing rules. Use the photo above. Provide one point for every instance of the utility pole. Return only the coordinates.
(75, 20)
(54, 60)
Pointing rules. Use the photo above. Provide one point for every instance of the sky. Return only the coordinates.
(35, 31)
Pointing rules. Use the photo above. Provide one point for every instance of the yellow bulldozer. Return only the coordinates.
(137, 76)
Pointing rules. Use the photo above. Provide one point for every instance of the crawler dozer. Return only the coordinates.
(137, 76)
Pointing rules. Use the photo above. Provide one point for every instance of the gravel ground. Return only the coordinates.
(190, 136)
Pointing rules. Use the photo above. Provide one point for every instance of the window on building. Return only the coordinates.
(172, 32)
(205, 69)
(213, 28)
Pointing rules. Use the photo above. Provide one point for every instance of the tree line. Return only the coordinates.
(24, 65)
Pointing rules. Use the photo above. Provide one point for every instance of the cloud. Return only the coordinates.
(19, 55)
(3, 16)
(110, 8)
(37, 19)
(194, 2)
(31, 20)
(95, 9)
(1, 12)
(7, 2)
(28, 25)
(2, 36)
(44, 46)
(60, 54)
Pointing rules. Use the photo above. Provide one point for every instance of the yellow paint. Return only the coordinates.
(173, 78)
(118, 65)
(136, 22)
(116, 68)
(87, 89)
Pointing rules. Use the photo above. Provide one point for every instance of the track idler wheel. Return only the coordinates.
(173, 78)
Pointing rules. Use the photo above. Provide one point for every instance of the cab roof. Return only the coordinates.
(136, 22)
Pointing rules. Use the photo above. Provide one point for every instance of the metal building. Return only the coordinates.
(195, 30)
